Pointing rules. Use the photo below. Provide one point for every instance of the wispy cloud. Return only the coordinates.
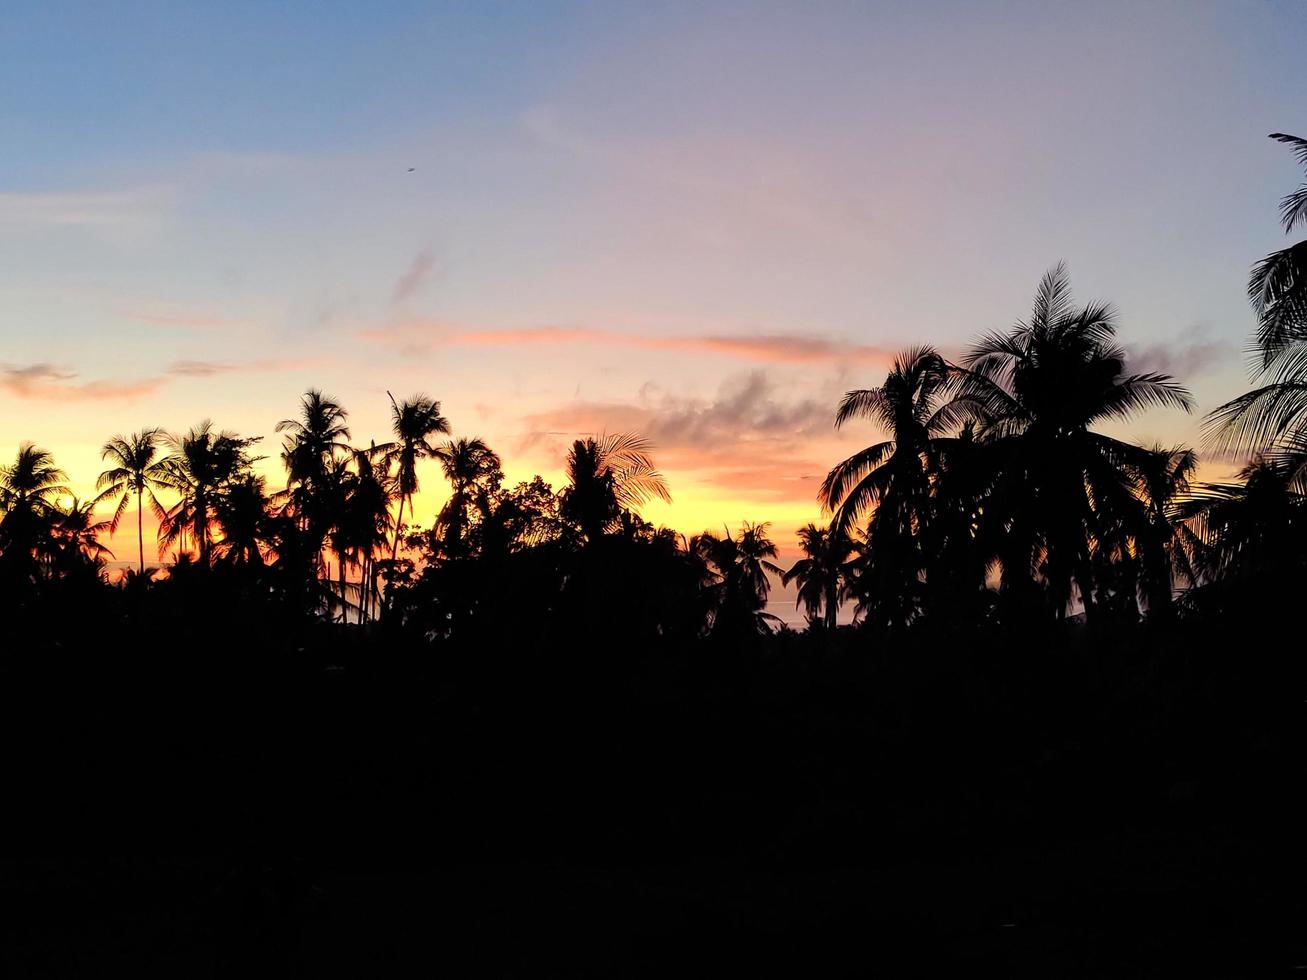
(778, 348)
(208, 369)
(165, 318)
(105, 209)
(749, 439)
(1190, 355)
(413, 279)
(50, 383)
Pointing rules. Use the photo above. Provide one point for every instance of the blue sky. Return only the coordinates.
(206, 208)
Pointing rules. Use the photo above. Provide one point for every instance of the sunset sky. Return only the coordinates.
(702, 221)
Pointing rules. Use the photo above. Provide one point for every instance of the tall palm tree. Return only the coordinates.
(1163, 479)
(310, 444)
(1275, 411)
(365, 523)
(1255, 528)
(241, 514)
(1036, 393)
(892, 480)
(473, 470)
(76, 535)
(820, 573)
(741, 565)
(135, 470)
(414, 421)
(607, 475)
(30, 488)
(200, 466)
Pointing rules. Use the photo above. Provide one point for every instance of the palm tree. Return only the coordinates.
(241, 514)
(1253, 529)
(1162, 481)
(30, 487)
(741, 565)
(200, 467)
(892, 480)
(76, 535)
(311, 442)
(820, 573)
(472, 469)
(414, 421)
(607, 475)
(365, 523)
(1036, 392)
(135, 469)
(1275, 411)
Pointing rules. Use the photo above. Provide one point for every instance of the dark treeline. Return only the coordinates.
(1061, 737)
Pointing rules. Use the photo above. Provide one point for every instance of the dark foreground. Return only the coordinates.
(1052, 805)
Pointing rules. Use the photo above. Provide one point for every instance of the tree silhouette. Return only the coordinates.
(135, 470)
(413, 421)
(1036, 392)
(76, 536)
(1253, 529)
(607, 475)
(30, 488)
(741, 565)
(201, 465)
(310, 445)
(1162, 482)
(821, 573)
(473, 470)
(1273, 416)
(890, 482)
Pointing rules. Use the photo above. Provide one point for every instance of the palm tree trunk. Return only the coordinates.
(344, 602)
(399, 520)
(140, 533)
(832, 606)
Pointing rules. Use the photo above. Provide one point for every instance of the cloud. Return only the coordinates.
(420, 335)
(105, 209)
(207, 369)
(49, 383)
(748, 438)
(1192, 354)
(417, 274)
(196, 321)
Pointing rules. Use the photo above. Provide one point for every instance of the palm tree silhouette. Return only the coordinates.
(200, 466)
(1035, 392)
(76, 535)
(311, 442)
(242, 516)
(366, 522)
(741, 564)
(30, 488)
(607, 475)
(820, 573)
(1275, 412)
(892, 479)
(135, 469)
(414, 421)
(473, 470)
(1162, 480)
(1255, 528)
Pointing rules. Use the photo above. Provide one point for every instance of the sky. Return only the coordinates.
(698, 221)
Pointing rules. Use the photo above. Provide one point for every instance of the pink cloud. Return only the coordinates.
(419, 335)
(189, 320)
(47, 382)
(418, 272)
(748, 439)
